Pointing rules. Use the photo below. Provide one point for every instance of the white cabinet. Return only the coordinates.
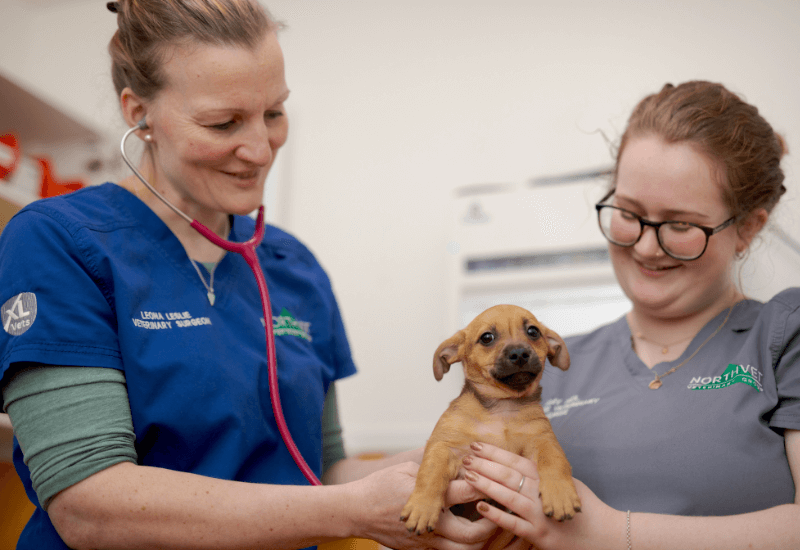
(535, 245)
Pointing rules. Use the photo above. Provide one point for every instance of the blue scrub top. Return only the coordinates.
(96, 279)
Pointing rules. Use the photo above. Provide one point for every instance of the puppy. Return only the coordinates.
(503, 352)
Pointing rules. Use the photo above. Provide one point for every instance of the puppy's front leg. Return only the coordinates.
(559, 497)
(439, 466)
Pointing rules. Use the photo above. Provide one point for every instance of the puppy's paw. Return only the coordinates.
(421, 513)
(560, 499)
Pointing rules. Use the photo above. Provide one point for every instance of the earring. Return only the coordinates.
(148, 138)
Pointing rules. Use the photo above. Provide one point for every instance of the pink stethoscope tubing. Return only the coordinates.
(246, 250)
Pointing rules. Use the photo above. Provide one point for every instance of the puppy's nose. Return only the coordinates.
(518, 355)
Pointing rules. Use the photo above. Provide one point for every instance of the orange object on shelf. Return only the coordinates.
(17, 509)
(51, 187)
(9, 155)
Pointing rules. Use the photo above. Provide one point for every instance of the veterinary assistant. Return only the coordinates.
(681, 419)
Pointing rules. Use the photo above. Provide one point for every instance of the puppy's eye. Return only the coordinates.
(486, 338)
(533, 332)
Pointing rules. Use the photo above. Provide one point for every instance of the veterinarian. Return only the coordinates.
(681, 418)
(132, 352)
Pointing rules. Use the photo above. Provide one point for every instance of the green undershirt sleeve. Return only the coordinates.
(71, 422)
(332, 441)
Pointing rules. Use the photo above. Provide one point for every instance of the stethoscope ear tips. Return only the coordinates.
(142, 125)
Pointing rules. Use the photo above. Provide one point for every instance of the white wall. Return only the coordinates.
(395, 104)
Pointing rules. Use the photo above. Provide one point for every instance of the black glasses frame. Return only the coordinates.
(643, 222)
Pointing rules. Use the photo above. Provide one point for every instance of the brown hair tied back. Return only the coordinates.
(721, 125)
(148, 28)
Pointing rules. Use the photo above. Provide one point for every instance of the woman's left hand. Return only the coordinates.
(497, 474)
(378, 499)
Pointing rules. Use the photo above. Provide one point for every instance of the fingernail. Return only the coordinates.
(476, 446)
(483, 507)
(471, 476)
(467, 460)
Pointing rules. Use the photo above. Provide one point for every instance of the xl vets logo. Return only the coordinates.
(19, 313)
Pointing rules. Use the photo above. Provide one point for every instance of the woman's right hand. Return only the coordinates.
(380, 497)
(498, 473)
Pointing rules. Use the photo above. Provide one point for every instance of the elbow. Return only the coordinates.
(73, 523)
(82, 515)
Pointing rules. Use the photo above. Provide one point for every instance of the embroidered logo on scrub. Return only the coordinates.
(286, 325)
(19, 313)
(734, 374)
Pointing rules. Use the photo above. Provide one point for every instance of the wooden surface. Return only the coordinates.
(15, 506)
(350, 544)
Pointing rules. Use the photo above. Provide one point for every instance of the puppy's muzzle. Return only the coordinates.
(517, 367)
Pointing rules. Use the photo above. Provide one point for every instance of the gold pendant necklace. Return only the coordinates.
(664, 347)
(655, 384)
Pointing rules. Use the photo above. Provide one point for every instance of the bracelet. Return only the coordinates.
(628, 530)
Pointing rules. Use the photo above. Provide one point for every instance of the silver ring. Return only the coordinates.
(521, 482)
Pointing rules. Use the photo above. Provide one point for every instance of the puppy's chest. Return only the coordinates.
(497, 432)
(505, 427)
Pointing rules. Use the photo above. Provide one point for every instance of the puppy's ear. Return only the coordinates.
(446, 354)
(557, 354)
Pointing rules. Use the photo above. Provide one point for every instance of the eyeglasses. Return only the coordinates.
(683, 241)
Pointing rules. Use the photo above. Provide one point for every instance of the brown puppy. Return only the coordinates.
(503, 352)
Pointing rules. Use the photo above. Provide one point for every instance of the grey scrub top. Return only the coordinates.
(710, 440)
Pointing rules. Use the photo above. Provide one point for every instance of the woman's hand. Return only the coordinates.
(498, 473)
(382, 495)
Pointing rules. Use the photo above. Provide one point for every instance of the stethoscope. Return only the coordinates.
(246, 250)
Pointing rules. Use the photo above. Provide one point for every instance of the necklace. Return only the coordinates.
(210, 285)
(655, 384)
(664, 347)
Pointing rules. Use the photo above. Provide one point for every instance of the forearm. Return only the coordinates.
(6, 439)
(777, 527)
(496, 473)
(351, 469)
(129, 506)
